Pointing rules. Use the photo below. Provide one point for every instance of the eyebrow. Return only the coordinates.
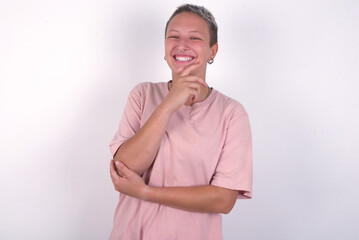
(189, 31)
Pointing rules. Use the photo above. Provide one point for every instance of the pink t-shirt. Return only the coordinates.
(206, 143)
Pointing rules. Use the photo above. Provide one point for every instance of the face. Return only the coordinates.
(187, 42)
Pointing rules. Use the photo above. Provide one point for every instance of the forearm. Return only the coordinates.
(138, 152)
(207, 198)
(196, 199)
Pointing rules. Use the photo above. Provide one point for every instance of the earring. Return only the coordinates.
(210, 61)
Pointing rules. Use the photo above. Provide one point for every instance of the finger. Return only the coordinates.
(122, 169)
(113, 172)
(192, 81)
(203, 82)
(111, 164)
(187, 70)
(195, 96)
(196, 80)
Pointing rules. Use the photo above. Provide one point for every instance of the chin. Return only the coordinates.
(176, 69)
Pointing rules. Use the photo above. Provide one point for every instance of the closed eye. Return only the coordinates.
(173, 36)
(195, 38)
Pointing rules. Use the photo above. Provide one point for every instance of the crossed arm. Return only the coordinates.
(134, 157)
(205, 198)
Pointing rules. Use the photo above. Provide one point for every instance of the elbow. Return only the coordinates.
(227, 202)
(224, 199)
(223, 205)
(128, 161)
(122, 155)
(118, 156)
(227, 207)
(129, 164)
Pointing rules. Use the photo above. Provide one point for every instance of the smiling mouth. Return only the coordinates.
(183, 58)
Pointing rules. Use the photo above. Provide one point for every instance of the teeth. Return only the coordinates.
(184, 59)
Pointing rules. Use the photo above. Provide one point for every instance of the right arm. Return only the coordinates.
(138, 152)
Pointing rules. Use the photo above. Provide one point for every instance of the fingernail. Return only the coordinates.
(117, 162)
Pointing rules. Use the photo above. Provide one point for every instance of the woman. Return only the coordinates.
(182, 153)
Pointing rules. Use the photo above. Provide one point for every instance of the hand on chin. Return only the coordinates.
(179, 70)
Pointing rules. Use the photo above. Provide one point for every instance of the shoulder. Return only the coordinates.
(150, 86)
(149, 94)
(144, 89)
(230, 106)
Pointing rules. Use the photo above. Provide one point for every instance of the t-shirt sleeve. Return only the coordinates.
(130, 121)
(234, 168)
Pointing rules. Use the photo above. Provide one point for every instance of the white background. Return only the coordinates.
(67, 66)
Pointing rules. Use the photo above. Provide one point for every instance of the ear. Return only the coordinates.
(214, 50)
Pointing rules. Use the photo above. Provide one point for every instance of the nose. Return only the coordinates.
(182, 45)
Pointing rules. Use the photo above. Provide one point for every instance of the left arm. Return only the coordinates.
(205, 198)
